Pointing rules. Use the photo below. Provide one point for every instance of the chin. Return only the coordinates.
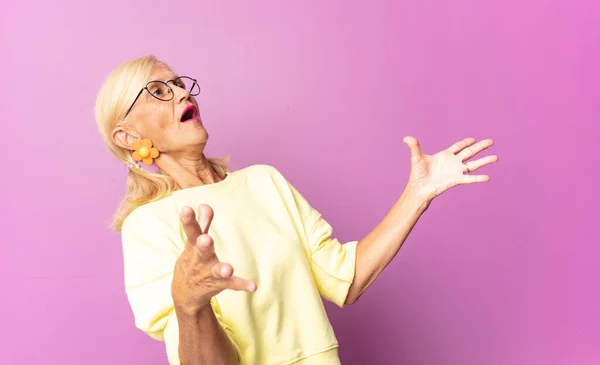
(198, 136)
(193, 132)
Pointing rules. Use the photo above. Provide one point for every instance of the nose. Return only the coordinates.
(181, 94)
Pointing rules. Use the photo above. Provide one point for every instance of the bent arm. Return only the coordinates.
(202, 340)
(375, 251)
(192, 334)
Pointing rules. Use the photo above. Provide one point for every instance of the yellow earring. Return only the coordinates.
(143, 151)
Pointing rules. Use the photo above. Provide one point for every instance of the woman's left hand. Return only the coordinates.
(431, 175)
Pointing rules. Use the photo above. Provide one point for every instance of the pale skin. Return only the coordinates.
(198, 273)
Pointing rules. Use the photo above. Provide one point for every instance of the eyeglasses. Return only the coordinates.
(162, 91)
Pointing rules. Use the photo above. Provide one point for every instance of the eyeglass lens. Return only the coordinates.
(162, 91)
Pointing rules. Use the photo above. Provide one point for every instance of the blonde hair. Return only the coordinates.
(114, 98)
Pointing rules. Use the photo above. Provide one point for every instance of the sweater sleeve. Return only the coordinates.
(332, 263)
(151, 247)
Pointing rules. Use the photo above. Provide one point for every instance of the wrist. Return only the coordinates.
(194, 311)
(417, 198)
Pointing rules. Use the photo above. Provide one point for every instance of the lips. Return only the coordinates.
(189, 113)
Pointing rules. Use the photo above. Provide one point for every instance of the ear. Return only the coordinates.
(124, 138)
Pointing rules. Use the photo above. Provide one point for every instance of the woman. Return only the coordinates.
(179, 263)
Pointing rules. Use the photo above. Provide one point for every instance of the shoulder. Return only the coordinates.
(268, 182)
(262, 172)
(137, 216)
(151, 218)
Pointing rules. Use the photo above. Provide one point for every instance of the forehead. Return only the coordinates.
(162, 73)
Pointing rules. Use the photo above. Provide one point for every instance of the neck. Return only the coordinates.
(186, 172)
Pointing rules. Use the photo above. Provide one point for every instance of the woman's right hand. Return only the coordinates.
(199, 275)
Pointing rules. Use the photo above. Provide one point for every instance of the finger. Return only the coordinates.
(205, 217)
(205, 248)
(472, 150)
(415, 148)
(239, 284)
(460, 145)
(190, 224)
(224, 272)
(472, 179)
(474, 165)
(221, 270)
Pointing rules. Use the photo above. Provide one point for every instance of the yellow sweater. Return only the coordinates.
(270, 234)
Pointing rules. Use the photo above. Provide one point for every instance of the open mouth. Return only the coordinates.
(189, 113)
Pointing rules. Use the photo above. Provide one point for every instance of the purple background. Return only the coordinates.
(498, 273)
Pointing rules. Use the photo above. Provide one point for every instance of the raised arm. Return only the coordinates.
(429, 177)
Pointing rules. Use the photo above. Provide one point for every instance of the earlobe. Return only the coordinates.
(124, 138)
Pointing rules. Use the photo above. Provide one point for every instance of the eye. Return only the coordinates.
(159, 90)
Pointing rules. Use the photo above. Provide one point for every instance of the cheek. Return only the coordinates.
(164, 121)
(156, 119)
(161, 116)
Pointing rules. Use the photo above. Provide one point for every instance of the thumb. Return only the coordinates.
(415, 148)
